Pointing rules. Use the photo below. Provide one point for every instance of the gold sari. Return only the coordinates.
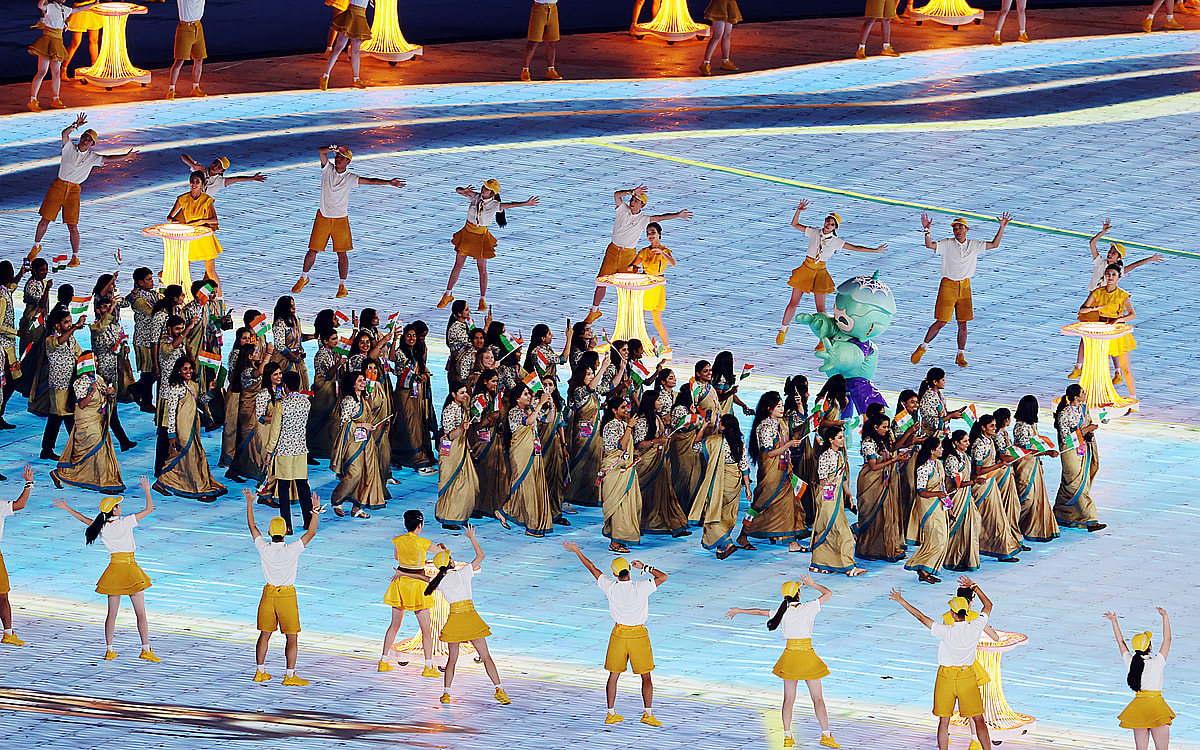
(775, 510)
(879, 514)
(927, 524)
(324, 425)
(554, 458)
(88, 461)
(1074, 505)
(528, 503)
(661, 513)
(294, 342)
(832, 539)
(458, 484)
(356, 464)
(492, 468)
(380, 405)
(410, 442)
(621, 497)
(997, 535)
(1037, 517)
(186, 472)
(585, 447)
(963, 528)
(687, 468)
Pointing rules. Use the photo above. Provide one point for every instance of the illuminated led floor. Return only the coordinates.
(1104, 131)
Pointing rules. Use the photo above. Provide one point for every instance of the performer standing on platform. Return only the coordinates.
(214, 174)
(49, 51)
(122, 577)
(189, 44)
(956, 678)
(407, 590)
(883, 11)
(353, 29)
(798, 661)
(1148, 715)
(1005, 6)
(629, 644)
(959, 255)
(629, 224)
(655, 260)
(543, 27)
(196, 207)
(333, 215)
(8, 508)
(722, 14)
(811, 276)
(83, 21)
(1111, 303)
(277, 607)
(77, 163)
(474, 240)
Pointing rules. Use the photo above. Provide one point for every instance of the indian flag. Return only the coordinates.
(853, 422)
(904, 420)
(534, 382)
(341, 317)
(798, 485)
(79, 305)
(1015, 451)
(541, 362)
(479, 406)
(604, 335)
(1073, 440)
(342, 346)
(372, 381)
(690, 420)
(121, 339)
(117, 256)
(85, 363)
(204, 293)
(406, 377)
(393, 320)
(259, 325)
(222, 375)
(970, 415)
(209, 360)
(639, 372)
(1041, 444)
(746, 371)
(59, 263)
(508, 343)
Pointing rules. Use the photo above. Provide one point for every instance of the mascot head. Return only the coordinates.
(864, 307)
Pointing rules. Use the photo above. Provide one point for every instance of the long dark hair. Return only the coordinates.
(795, 389)
(577, 341)
(169, 300)
(685, 398)
(935, 374)
(241, 361)
(325, 321)
(97, 298)
(346, 384)
(925, 452)
(535, 340)
(835, 387)
(766, 403)
(949, 445)
(610, 410)
(777, 618)
(459, 306)
(270, 369)
(92, 532)
(402, 344)
(1136, 665)
(589, 359)
(7, 276)
(827, 436)
(977, 428)
(647, 408)
(283, 311)
(1027, 410)
(480, 388)
(454, 386)
(722, 368)
(732, 432)
(905, 395)
(437, 579)
(177, 371)
(1003, 417)
(1073, 391)
(870, 430)
(661, 378)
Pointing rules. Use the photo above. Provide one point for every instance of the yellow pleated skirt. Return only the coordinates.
(122, 576)
(1147, 710)
(463, 624)
(799, 662)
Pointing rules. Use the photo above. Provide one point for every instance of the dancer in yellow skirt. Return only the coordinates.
(122, 577)
(1112, 304)
(474, 240)
(277, 607)
(1005, 7)
(49, 50)
(722, 14)
(8, 508)
(1148, 715)
(655, 260)
(798, 661)
(83, 21)
(883, 11)
(463, 625)
(957, 679)
(407, 590)
(629, 644)
(196, 207)
(353, 29)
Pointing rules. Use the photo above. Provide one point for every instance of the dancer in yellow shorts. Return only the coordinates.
(1148, 715)
(123, 576)
(189, 44)
(8, 508)
(957, 678)
(543, 27)
(883, 11)
(196, 207)
(1112, 304)
(463, 625)
(798, 661)
(407, 590)
(277, 609)
(629, 644)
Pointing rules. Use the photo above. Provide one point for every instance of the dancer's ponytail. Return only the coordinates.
(437, 579)
(1136, 665)
(777, 618)
(93, 530)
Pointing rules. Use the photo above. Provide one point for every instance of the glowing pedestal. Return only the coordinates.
(113, 67)
(673, 23)
(387, 43)
(176, 238)
(438, 614)
(1002, 721)
(948, 12)
(631, 310)
(1097, 385)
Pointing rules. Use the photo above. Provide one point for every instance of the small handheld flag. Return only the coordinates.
(639, 372)
(970, 415)
(479, 406)
(904, 420)
(1041, 444)
(59, 263)
(85, 363)
(507, 343)
(79, 305)
(798, 485)
(534, 382)
(341, 316)
(342, 346)
(260, 326)
(393, 320)
(746, 371)
(117, 256)
(222, 374)
(1073, 441)
(541, 362)
(406, 377)
(204, 293)
(209, 360)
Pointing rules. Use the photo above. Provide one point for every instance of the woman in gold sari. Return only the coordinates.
(1007, 480)
(380, 405)
(1080, 458)
(927, 523)
(962, 549)
(528, 503)
(804, 455)
(288, 339)
(661, 513)
(491, 463)
(832, 539)
(775, 512)
(708, 507)
(324, 424)
(554, 451)
(354, 460)
(620, 491)
(1037, 516)
(248, 370)
(687, 468)
(998, 536)
(878, 507)
(458, 484)
(409, 432)
(725, 381)
(906, 435)
(250, 459)
(585, 446)
(186, 472)
(52, 379)
(89, 461)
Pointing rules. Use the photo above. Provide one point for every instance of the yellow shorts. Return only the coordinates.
(1147, 710)
(62, 196)
(189, 41)
(616, 260)
(4, 587)
(49, 45)
(543, 23)
(278, 609)
(957, 683)
(337, 229)
(811, 277)
(881, 9)
(408, 593)
(800, 662)
(474, 241)
(953, 300)
(629, 644)
(463, 624)
(122, 576)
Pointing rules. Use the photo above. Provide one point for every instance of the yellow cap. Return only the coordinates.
(91, 133)
(837, 219)
(643, 196)
(442, 559)
(1119, 248)
(276, 527)
(619, 566)
(960, 220)
(108, 503)
(493, 185)
(223, 162)
(791, 588)
(347, 153)
(1141, 641)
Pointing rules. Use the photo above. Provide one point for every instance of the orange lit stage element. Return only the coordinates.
(1095, 381)
(673, 23)
(176, 238)
(440, 611)
(112, 66)
(631, 310)
(387, 43)
(1002, 721)
(948, 12)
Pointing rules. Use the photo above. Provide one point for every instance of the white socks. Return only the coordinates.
(429, 663)
(291, 673)
(146, 646)
(923, 346)
(304, 275)
(260, 668)
(8, 631)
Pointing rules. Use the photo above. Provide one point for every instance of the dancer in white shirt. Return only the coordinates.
(8, 508)
(189, 44)
(1148, 715)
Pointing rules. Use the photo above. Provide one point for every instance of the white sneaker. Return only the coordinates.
(569, 509)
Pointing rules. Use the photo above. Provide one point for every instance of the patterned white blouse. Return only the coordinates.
(175, 396)
(452, 417)
(829, 464)
(323, 362)
(143, 301)
(61, 360)
(1023, 434)
(613, 432)
(293, 427)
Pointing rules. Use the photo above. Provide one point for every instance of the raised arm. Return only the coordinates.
(825, 593)
(533, 201)
(1165, 648)
(394, 182)
(573, 547)
(80, 120)
(620, 194)
(739, 611)
(684, 214)
(110, 158)
(895, 596)
(470, 531)
(1112, 617)
(659, 577)
(23, 499)
(61, 504)
(324, 154)
(984, 601)
(311, 531)
(796, 217)
(1094, 244)
(927, 227)
(249, 495)
(1004, 219)
(256, 177)
(141, 516)
(858, 248)
(192, 163)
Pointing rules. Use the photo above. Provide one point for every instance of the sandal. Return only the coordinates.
(744, 543)
(729, 550)
(501, 519)
(619, 548)
(797, 547)
(855, 571)
(359, 513)
(534, 534)
(337, 509)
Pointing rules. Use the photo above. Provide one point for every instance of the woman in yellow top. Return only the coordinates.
(654, 260)
(196, 207)
(1112, 303)
(407, 590)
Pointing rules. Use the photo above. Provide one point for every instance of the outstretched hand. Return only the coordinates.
(1161, 611)
(966, 582)
(926, 222)
(894, 595)
(571, 546)
(469, 530)
(27, 473)
(1110, 616)
(59, 503)
(1004, 219)
(144, 483)
(803, 205)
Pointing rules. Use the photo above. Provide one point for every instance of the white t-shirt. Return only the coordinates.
(335, 191)
(628, 227)
(958, 258)
(279, 560)
(482, 212)
(1152, 672)
(214, 183)
(957, 641)
(798, 620)
(456, 586)
(55, 16)
(359, 3)
(628, 601)
(822, 246)
(6, 510)
(117, 534)
(1099, 266)
(190, 11)
(76, 165)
